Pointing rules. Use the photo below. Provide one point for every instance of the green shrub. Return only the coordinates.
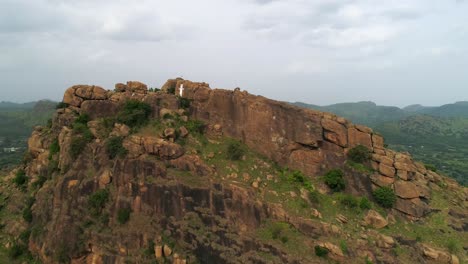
(149, 251)
(184, 102)
(195, 126)
(385, 197)
(115, 148)
(54, 148)
(77, 145)
(17, 250)
(334, 179)
(314, 197)
(134, 113)
(27, 214)
(453, 246)
(344, 247)
(61, 105)
(82, 130)
(82, 119)
(349, 201)
(235, 151)
(431, 167)
(171, 89)
(359, 154)
(321, 251)
(123, 215)
(365, 204)
(98, 200)
(20, 178)
(24, 236)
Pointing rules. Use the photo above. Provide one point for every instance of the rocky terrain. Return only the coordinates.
(221, 176)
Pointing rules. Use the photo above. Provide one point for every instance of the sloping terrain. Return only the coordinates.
(437, 136)
(220, 176)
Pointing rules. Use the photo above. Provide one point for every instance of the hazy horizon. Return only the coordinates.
(396, 53)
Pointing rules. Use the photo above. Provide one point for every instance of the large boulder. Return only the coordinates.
(335, 132)
(374, 219)
(356, 137)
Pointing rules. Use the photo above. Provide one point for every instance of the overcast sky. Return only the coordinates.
(316, 51)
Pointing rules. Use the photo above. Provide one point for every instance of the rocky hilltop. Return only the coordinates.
(207, 175)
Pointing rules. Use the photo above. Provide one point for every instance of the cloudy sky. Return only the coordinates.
(317, 51)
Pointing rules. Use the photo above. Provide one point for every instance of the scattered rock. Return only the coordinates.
(183, 131)
(374, 219)
(167, 251)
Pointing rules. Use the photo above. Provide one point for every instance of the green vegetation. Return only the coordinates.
(61, 105)
(365, 204)
(431, 167)
(17, 250)
(27, 212)
(184, 103)
(81, 135)
(385, 196)
(349, 201)
(54, 148)
(235, 151)
(97, 201)
(123, 215)
(114, 147)
(134, 113)
(359, 154)
(334, 179)
(433, 135)
(20, 178)
(321, 251)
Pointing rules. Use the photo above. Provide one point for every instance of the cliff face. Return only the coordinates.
(188, 205)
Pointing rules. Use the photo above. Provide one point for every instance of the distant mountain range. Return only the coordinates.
(435, 135)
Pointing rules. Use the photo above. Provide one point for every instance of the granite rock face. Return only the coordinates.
(164, 203)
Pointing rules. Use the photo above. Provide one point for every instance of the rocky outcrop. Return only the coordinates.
(172, 191)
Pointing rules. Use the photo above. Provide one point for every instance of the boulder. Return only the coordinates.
(120, 87)
(377, 141)
(412, 207)
(374, 219)
(335, 132)
(406, 189)
(387, 170)
(167, 250)
(381, 180)
(356, 137)
(158, 252)
(137, 87)
(333, 249)
(183, 131)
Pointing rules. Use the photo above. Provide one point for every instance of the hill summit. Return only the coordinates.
(190, 174)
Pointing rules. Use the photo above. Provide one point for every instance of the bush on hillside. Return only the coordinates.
(334, 179)
(235, 151)
(54, 148)
(20, 178)
(365, 204)
(321, 251)
(359, 154)
(123, 215)
(115, 148)
(98, 200)
(195, 126)
(134, 113)
(349, 201)
(184, 103)
(385, 196)
(61, 105)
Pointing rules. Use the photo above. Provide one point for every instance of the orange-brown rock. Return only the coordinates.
(335, 132)
(356, 137)
(374, 219)
(406, 190)
(381, 180)
(412, 207)
(386, 170)
(377, 141)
